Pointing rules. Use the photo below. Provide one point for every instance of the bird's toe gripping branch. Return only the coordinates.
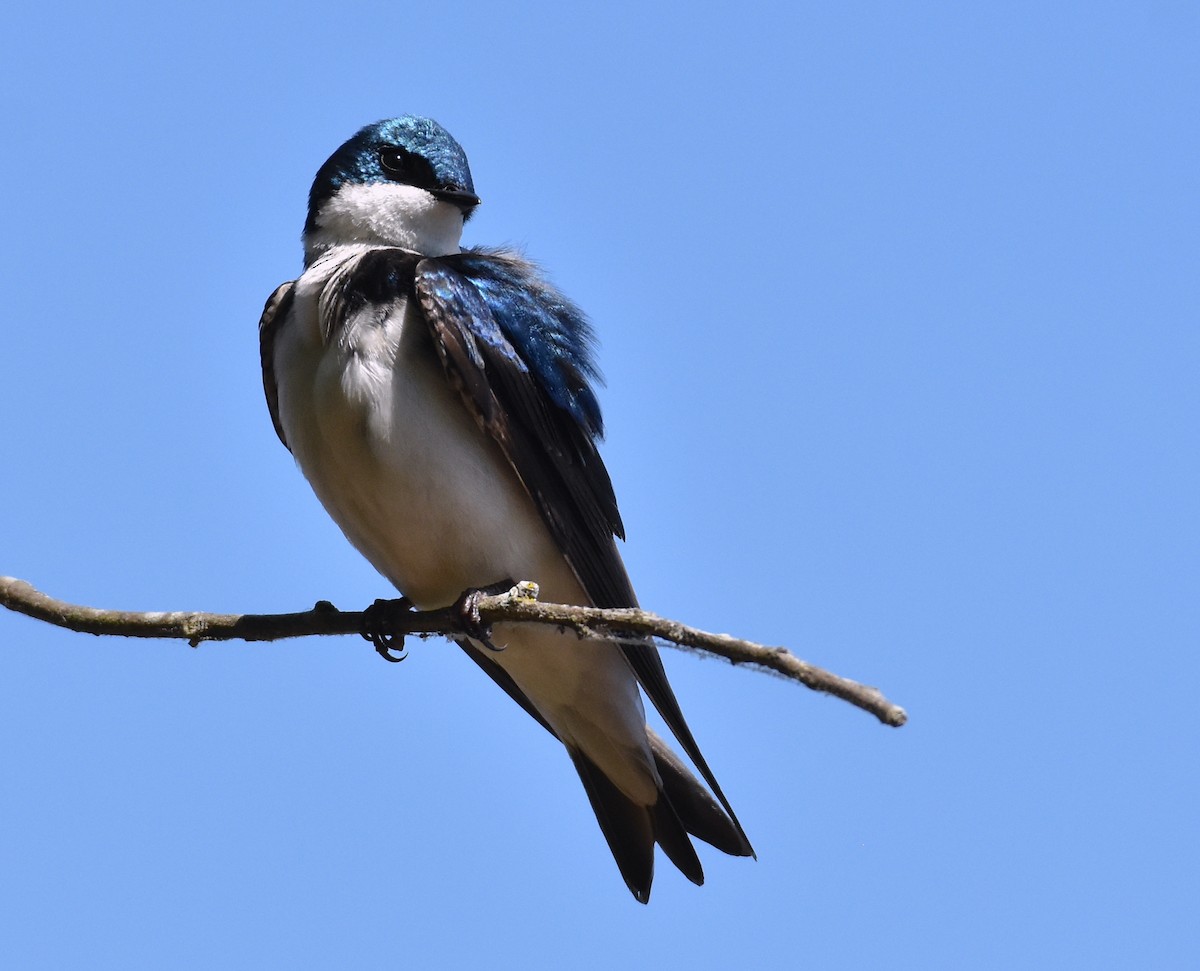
(381, 620)
(379, 627)
(467, 608)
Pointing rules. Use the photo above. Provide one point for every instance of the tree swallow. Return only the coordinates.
(440, 403)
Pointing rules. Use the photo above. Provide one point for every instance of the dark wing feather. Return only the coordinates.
(551, 449)
(648, 667)
(276, 310)
(520, 353)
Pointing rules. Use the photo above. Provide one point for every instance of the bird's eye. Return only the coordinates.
(407, 167)
(395, 161)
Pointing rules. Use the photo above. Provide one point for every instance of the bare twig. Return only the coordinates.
(518, 606)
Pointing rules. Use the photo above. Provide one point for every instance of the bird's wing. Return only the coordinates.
(519, 353)
(274, 313)
(519, 359)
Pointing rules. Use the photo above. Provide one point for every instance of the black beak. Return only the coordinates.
(466, 201)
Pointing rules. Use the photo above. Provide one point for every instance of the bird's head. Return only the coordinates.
(402, 182)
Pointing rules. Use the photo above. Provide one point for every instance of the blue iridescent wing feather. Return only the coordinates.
(520, 353)
(546, 328)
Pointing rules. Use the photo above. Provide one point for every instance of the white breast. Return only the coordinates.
(400, 464)
(393, 453)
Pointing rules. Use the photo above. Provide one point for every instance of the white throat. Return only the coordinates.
(386, 214)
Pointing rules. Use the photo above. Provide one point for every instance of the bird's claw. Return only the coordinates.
(379, 628)
(467, 608)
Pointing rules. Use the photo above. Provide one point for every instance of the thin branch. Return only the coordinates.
(518, 606)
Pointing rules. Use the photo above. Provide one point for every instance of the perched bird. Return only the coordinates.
(439, 402)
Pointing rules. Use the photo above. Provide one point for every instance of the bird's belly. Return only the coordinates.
(400, 464)
(398, 461)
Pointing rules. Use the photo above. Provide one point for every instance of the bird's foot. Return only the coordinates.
(379, 627)
(467, 608)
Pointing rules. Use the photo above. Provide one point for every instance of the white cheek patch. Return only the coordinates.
(389, 214)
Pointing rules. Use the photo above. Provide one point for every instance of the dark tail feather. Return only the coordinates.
(694, 805)
(628, 827)
(647, 665)
(672, 836)
(684, 806)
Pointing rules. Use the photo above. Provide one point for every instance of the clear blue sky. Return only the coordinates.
(898, 310)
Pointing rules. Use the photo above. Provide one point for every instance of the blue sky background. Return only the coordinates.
(899, 311)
